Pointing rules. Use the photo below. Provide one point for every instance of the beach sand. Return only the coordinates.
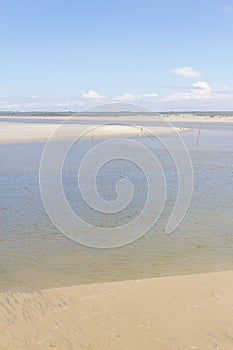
(90, 125)
(168, 313)
(26, 132)
(124, 117)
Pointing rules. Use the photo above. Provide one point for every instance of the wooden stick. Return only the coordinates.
(140, 133)
(199, 133)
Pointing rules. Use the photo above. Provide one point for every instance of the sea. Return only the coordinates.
(34, 254)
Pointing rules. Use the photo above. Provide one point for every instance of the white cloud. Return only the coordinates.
(201, 85)
(150, 95)
(198, 96)
(126, 97)
(92, 94)
(32, 104)
(187, 72)
(199, 90)
(228, 8)
(134, 97)
(6, 105)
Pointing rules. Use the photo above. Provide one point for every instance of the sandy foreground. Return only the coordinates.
(26, 132)
(168, 313)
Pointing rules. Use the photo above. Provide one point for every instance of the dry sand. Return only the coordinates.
(26, 132)
(170, 117)
(168, 313)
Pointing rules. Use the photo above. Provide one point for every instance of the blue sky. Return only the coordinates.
(71, 54)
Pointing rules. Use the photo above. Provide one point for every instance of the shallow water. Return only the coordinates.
(34, 254)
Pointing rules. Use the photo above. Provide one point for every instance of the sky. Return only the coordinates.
(68, 55)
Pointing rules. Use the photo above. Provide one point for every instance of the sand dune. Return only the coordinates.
(168, 313)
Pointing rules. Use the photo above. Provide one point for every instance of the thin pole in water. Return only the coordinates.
(199, 133)
(140, 133)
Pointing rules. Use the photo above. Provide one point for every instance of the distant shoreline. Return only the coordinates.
(88, 113)
(138, 118)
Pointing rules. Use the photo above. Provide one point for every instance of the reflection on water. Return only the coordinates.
(33, 254)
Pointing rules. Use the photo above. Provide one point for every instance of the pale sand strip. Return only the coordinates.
(169, 117)
(26, 132)
(169, 313)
